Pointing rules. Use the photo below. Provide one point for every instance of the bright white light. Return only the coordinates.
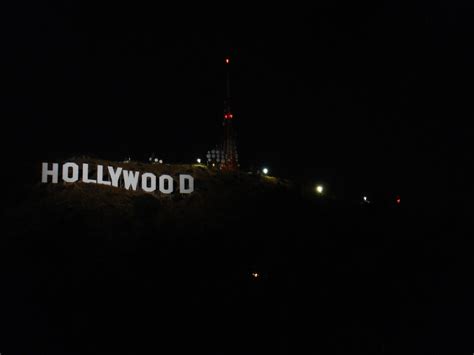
(365, 198)
(255, 274)
(319, 189)
(265, 171)
(198, 160)
(160, 161)
(156, 160)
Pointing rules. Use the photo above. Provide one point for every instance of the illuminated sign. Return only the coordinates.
(116, 177)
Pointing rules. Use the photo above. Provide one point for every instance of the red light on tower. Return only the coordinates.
(227, 61)
(398, 200)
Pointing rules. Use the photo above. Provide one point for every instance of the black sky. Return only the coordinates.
(374, 97)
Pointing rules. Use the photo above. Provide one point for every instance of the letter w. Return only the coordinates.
(130, 178)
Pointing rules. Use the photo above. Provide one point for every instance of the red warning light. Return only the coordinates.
(227, 61)
(398, 200)
(226, 116)
(230, 116)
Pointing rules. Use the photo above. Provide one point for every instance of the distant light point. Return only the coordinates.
(319, 189)
(255, 275)
(198, 160)
(265, 171)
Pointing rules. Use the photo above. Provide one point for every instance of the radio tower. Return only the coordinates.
(230, 161)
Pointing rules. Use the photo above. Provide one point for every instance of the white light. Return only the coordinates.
(365, 198)
(156, 160)
(160, 161)
(319, 189)
(199, 160)
(265, 171)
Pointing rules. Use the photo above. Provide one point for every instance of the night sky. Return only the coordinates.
(372, 98)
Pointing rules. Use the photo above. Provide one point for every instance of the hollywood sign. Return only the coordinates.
(117, 177)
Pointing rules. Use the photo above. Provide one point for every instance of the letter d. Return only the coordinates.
(182, 184)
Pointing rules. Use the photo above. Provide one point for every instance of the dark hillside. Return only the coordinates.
(244, 264)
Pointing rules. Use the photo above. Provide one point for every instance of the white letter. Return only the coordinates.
(100, 176)
(75, 172)
(130, 179)
(182, 184)
(54, 172)
(85, 174)
(148, 187)
(162, 184)
(114, 175)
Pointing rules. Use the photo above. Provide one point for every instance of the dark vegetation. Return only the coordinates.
(89, 269)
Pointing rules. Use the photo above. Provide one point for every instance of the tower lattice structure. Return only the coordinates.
(229, 146)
